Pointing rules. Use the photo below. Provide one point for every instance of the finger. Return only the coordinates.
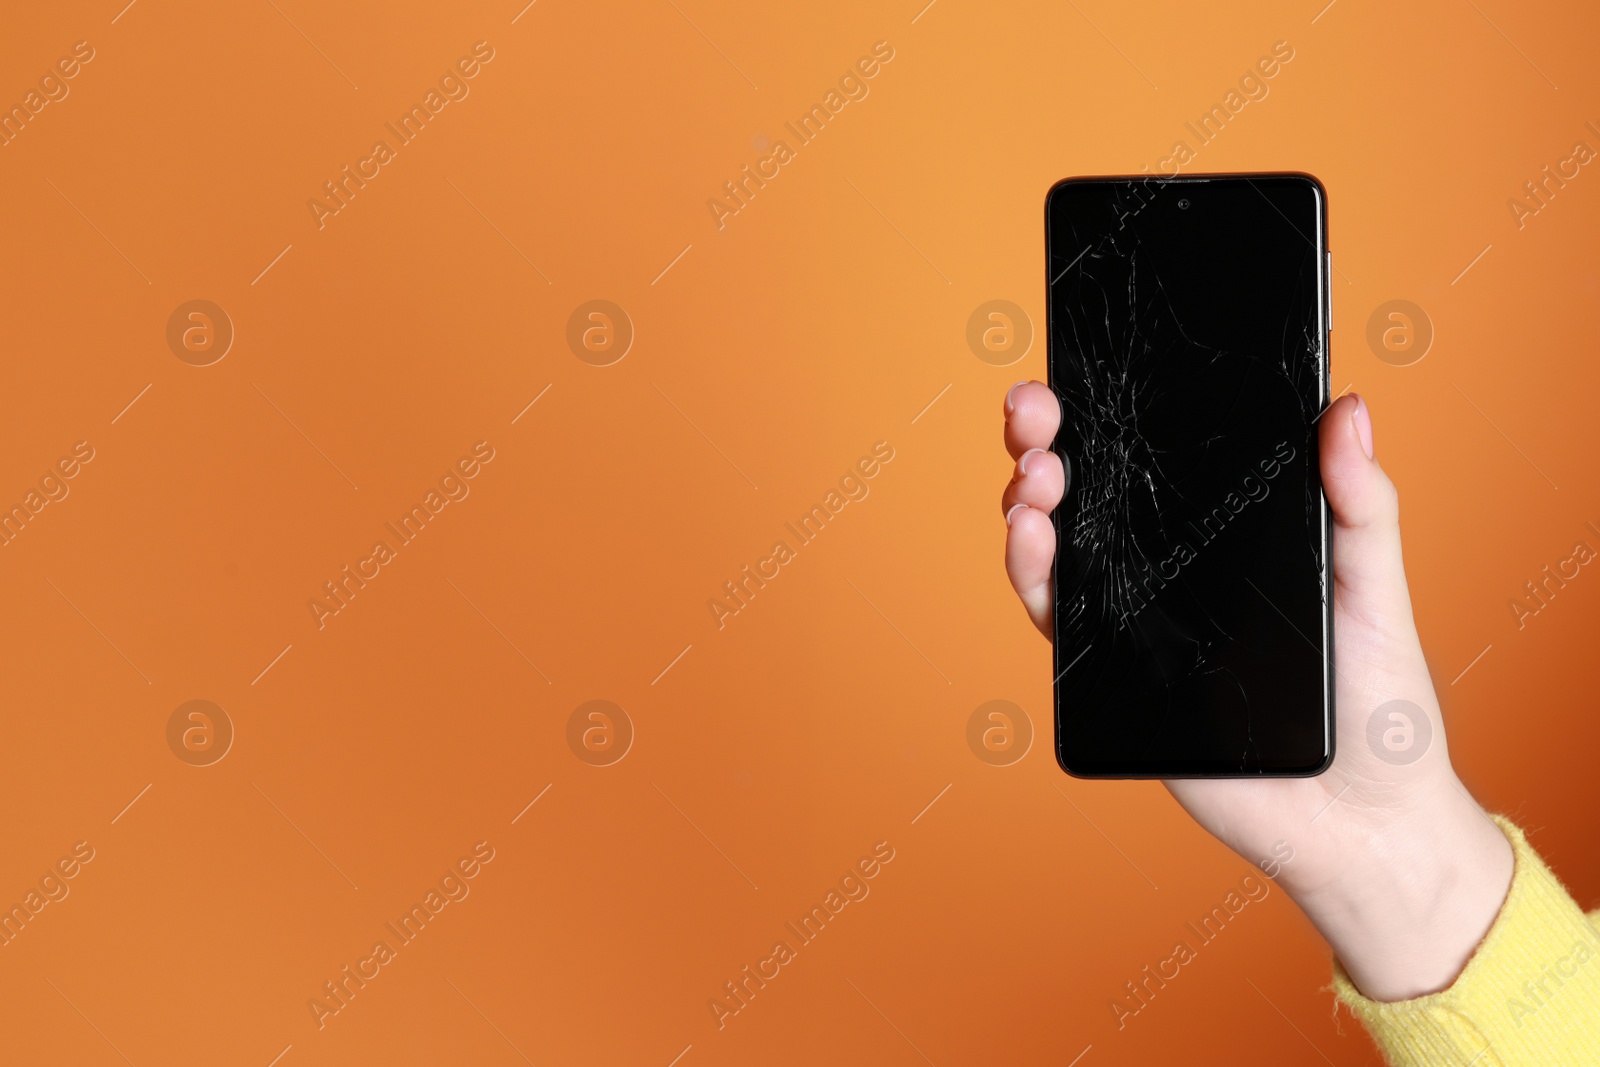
(1032, 417)
(1368, 567)
(1030, 549)
(1039, 482)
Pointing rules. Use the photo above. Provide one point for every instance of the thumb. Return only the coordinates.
(1368, 569)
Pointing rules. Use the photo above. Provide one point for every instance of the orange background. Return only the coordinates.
(829, 713)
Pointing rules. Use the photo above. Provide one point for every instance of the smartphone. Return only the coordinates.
(1188, 323)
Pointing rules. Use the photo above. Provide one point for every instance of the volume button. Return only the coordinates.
(1330, 291)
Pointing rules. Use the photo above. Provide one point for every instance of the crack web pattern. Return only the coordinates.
(1191, 458)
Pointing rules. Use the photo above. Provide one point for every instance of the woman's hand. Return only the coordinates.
(1397, 865)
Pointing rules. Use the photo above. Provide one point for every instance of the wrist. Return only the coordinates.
(1416, 892)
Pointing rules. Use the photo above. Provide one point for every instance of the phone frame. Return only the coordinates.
(1324, 313)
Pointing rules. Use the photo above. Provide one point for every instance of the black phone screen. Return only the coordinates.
(1188, 345)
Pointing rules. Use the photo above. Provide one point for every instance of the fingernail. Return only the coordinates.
(1010, 405)
(1361, 418)
(1014, 509)
(1022, 464)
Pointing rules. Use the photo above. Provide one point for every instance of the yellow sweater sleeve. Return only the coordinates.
(1528, 997)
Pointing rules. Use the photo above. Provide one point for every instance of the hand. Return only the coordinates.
(1398, 866)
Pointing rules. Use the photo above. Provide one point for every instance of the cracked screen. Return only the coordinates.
(1187, 345)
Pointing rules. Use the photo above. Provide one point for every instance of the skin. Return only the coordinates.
(1397, 866)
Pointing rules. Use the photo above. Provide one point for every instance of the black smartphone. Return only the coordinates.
(1188, 323)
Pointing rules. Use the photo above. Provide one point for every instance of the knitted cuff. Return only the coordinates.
(1530, 994)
